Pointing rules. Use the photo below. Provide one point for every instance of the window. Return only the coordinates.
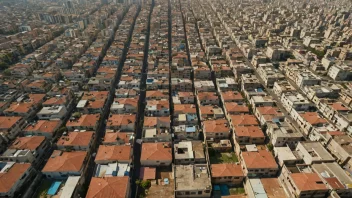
(187, 193)
(207, 191)
(199, 192)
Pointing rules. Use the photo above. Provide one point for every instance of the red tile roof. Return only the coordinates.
(147, 173)
(215, 126)
(9, 178)
(308, 181)
(30, 143)
(108, 187)
(156, 151)
(43, 126)
(259, 160)
(76, 139)
(244, 120)
(225, 170)
(113, 153)
(65, 161)
(249, 131)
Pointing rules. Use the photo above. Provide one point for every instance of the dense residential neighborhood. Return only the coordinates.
(176, 98)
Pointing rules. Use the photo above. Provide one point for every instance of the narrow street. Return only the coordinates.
(140, 116)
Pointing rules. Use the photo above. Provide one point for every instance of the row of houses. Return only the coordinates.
(47, 130)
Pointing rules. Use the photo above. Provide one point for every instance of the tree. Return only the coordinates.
(3, 65)
(62, 129)
(270, 147)
(7, 72)
(76, 114)
(145, 184)
(138, 182)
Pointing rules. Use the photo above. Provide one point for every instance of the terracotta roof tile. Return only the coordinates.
(185, 108)
(308, 181)
(156, 151)
(43, 126)
(249, 131)
(9, 178)
(244, 120)
(7, 122)
(65, 161)
(269, 111)
(260, 159)
(114, 137)
(215, 126)
(224, 170)
(232, 95)
(120, 119)
(235, 107)
(114, 153)
(76, 139)
(338, 106)
(104, 187)
(313, 118)
(30, 143)
(86, 120)
(147, 173)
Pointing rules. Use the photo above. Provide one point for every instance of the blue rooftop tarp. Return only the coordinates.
(224, 190)
(54, 187)
(216, 187)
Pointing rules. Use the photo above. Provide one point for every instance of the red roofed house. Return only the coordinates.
(118, 138)
(215, 130)
(64, 164)
(243, 120)
(45, 128)
(267, 114)
(13, 176)
(26, 149)
(121, 122)
(10, 127)
(147, 173)
(77, 141)
(308, 120)
(85, 122)
(156, 154)
(112, 187)
(258, 163)
(339, 114)
(302, 184)
(226, 174)
(248, 135)
(115, 153)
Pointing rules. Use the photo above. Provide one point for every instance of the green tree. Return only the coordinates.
(76, 114)
(7, 72)
(145, 184)
(270, 147)
(3, 65)
(138, 182)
